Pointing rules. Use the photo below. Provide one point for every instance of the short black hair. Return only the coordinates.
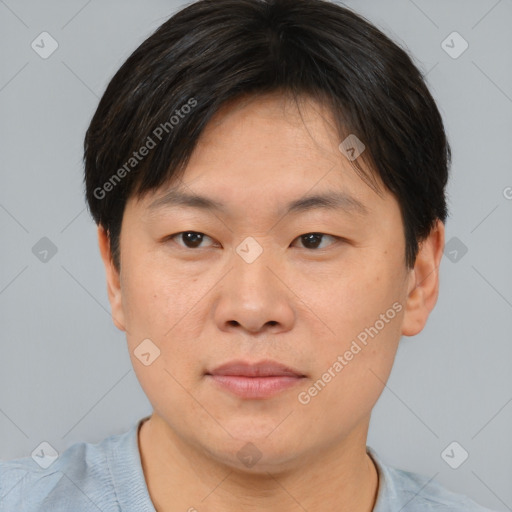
(213, 52)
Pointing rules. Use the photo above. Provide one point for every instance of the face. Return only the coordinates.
(317, 291)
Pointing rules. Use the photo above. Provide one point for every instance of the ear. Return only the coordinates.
(113, 279)
(424, 282)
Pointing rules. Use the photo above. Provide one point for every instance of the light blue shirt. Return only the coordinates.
(108, 477)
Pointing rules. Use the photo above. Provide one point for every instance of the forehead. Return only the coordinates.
(268, 150)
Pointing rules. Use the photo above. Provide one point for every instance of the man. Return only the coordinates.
(268, 182)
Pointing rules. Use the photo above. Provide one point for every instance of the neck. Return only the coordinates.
(182, 477)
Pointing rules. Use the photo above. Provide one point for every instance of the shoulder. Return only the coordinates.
(413, 492)
(78, 479)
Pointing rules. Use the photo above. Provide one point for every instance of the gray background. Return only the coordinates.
(65, 374)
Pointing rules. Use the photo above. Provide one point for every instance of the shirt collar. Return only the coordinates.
(133, 495)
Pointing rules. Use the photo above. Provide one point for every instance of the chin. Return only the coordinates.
(256, 449)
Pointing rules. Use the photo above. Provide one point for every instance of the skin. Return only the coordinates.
(296, 304)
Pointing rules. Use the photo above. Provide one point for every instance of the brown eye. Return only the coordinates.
(313, 240)
(189, 239)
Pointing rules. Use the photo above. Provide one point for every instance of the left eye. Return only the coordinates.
(313, 240)
(193, 239)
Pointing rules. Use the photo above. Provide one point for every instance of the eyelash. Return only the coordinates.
(171, 238)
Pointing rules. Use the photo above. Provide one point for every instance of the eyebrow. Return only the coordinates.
(330, 200)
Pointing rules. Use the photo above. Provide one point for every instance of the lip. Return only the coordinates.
(259, 380)
(266, 368)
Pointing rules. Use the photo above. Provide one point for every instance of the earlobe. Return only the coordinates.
(113, 279)
(423, 287)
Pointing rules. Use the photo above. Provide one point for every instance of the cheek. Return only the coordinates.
(353, 298)
(158, 309)
(362, 314)
(155, 299)
(163, 309)
(349, 378)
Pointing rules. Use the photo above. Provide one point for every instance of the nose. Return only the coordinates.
(253, 297)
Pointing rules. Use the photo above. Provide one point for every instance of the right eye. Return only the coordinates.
(190, 239)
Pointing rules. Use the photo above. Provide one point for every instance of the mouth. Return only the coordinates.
(259, 380)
